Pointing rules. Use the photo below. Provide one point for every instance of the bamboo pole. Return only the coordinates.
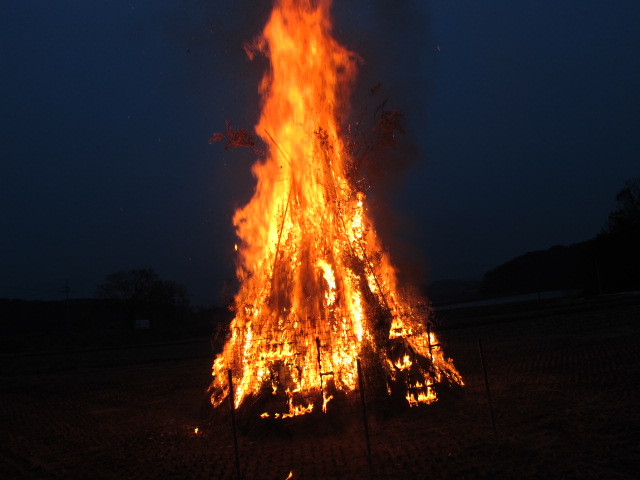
(233, 424)
(486, 384)
(364, 415)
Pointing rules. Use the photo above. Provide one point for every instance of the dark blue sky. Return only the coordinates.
(523, 122)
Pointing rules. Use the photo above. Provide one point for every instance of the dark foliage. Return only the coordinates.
(557, 268)
(144, 295)
(625, 220)
(608, 263)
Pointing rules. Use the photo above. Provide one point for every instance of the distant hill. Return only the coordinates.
(453, 291)
(556, 268)
(607, 263)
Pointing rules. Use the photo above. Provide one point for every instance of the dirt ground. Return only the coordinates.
(564, 381)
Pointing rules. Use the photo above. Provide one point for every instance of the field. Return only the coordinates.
(563, 375)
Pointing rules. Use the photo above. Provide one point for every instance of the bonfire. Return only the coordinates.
(318, 292)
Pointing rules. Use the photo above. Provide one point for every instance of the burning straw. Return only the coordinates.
(317, 291)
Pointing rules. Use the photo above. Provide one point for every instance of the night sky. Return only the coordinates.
(522, 119)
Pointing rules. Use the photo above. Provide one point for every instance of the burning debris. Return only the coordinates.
(318, 292)
(234, 138)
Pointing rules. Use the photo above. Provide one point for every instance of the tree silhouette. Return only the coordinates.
(608, 263)
(618, 251)
(625, 220)
(145, 295)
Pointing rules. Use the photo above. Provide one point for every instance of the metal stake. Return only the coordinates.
(364, 415)
(319, 364)
(233, 423)
(486, 384)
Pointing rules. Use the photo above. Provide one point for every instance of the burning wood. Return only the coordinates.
(317, 289)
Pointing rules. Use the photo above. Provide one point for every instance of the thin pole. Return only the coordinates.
(66, 291)
(486, 384)
(598, 277)
(320, 365)
(364, 414)
(233, 423)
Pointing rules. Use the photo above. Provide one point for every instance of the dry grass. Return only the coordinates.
(565, 393)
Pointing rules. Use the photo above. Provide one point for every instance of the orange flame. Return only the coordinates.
(316, 286)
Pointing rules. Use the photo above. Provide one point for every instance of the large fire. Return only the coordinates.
(317, 290)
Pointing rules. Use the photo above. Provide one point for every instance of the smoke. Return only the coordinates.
(211, 34)
(393, 38)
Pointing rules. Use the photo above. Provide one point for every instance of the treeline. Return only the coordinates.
(608, 263)
(132, 300)
(37, 317)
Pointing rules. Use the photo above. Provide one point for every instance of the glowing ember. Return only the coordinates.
(317, 290)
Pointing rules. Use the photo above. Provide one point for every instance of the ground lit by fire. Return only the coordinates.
(317, 289)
